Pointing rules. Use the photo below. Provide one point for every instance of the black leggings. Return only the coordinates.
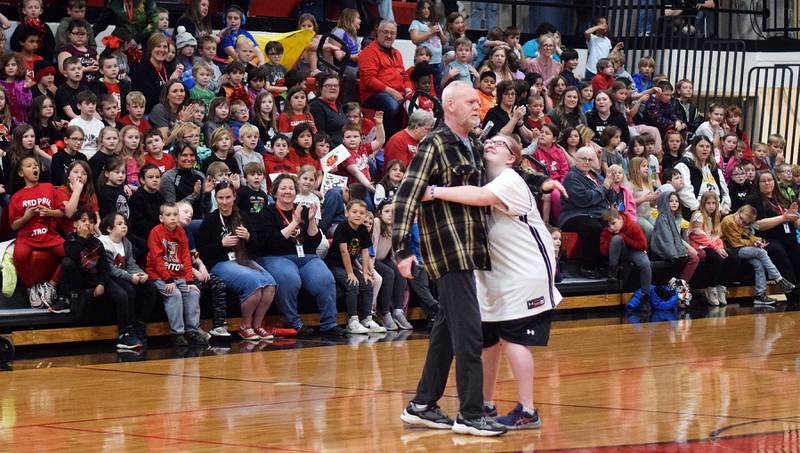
(716, 269)
(134, 302)
(390, 296)
(588, 230)
(785, 255)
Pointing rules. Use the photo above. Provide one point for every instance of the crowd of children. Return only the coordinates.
(111, 175)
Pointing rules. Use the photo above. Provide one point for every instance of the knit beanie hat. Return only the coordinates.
(183, 38)
(42, 68)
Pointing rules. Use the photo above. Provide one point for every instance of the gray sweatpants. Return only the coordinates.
(618, 251)
(182, 307)
(760, 261)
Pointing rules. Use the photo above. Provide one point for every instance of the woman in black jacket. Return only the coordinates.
(603, 115)
(327, 111)
(223, 241)
(289, 249)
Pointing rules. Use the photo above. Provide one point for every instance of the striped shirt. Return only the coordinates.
(452, 235)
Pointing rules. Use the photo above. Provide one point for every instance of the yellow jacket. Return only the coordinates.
(736, 235)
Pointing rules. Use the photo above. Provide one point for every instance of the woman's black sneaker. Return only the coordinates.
(431, 416)
(481, 426)
(785, 285)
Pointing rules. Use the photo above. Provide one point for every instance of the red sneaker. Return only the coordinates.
(264, 334)
(249, 334)
(282, 331)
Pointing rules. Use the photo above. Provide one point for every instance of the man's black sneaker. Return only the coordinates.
(60, 305)
(519, 419)
(305, 331)
(432, 417)
(334, 331)
(481, 426)
(194, 337)
(128, 341)
(179, 340)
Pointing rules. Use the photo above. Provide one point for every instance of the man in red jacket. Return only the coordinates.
(623, 238)
(383, 82)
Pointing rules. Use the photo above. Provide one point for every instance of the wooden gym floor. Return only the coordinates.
(724, 384)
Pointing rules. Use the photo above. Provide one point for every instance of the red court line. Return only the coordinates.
(767, 441)
(194, 441)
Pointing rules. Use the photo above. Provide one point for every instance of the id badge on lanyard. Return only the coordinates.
(300, 252)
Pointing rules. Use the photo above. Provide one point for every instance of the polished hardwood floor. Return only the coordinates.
(721, 384)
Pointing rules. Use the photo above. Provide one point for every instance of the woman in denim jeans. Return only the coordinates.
(289, 243)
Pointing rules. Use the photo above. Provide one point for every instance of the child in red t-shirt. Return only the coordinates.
(296, 111)
(303, 146)
(277, 161)
(356, 167)
(169, 266)
(77, 192)
(32, 213)
(154, 145)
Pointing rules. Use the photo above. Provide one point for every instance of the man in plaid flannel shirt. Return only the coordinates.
(453, 245)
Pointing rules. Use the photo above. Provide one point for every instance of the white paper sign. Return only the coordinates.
(330, 180)
(334, 157)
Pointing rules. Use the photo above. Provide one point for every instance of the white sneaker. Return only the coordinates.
(34, 297)
(204, 334)
(711, 295)
(48, 292)
(220, 331)
(388, 322)
(372, 326)
(400, 318)
(354, 326)
(722, 295)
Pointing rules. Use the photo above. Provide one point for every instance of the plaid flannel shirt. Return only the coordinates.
(452, 235)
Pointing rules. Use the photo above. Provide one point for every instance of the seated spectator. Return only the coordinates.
(169, 267)
(326, 109)
(184, 182)
(738, 231)
(700, 175)
(506, 117)
(289, 254)
(568, 114)
(32, 214)
(152, 74)
(623, 240)
(382, 78)
(136, 296)
(144, 205)
(603, 115)
(544, 63)
(402, 146)
(390, 297)
(667, 241)
(776, 219)
(229, 259)
(589, 196)
(660, 113)
(706, 237)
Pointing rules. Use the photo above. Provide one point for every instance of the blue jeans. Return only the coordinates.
(392, 111)
(762, 265)
(646, 17)
(309, 272)
(485, 11)
(242, 279)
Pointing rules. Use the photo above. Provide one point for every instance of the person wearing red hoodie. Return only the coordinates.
(605, 75)
(383, 81)
(623, 238)
(169, 266)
